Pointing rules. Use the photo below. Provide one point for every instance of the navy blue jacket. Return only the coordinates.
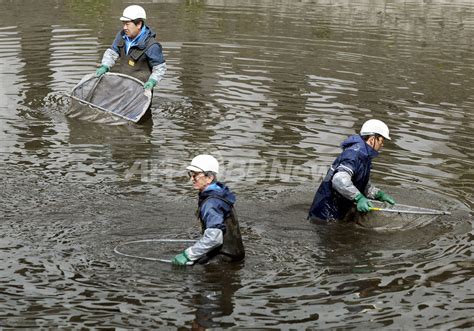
(356, 159)
(213, 210)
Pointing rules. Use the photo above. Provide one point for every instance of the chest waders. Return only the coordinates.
(232, 248)
(135, 63)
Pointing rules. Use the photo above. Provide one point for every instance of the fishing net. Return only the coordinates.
(397, 217)
(116, 94)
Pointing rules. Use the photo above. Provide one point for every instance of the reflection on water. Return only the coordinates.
(271, 89)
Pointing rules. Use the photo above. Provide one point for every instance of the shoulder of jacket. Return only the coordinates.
(216, 199)
(150, 45)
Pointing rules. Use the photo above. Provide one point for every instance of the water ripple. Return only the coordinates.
(271, 89)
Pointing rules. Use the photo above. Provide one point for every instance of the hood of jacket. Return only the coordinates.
(217, 189)
(356, 143)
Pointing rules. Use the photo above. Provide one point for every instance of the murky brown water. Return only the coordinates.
(271, 88)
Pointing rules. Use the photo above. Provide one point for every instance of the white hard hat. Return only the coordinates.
(203, 163)
(133, 12)
(372, 127)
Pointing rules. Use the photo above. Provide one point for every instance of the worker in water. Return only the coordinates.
(347, 182)
(135, 51)
(221, 239)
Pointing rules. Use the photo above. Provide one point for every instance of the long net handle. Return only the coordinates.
(420, 212)
(117, 251)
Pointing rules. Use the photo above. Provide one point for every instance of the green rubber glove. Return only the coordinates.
(101, 70)
(150, 84)
(363, 204)
(384, 197)
(180, 259)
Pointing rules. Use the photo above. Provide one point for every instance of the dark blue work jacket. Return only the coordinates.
(355, 159)
(215, 204)
(216, 210)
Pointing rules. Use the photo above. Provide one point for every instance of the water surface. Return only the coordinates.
(270, 88)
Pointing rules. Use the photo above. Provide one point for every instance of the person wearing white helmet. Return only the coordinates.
(221, 239)
(347, 182)
(135, 51)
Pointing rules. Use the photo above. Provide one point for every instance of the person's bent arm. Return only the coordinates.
(377, 194)
(158, 72)
(157, 62)
(342, 183)
(109, 58)
(211, 239)
(370, 190)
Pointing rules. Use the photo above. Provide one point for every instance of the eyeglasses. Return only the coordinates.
(194, 175)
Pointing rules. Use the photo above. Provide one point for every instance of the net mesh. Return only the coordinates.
(116, 94)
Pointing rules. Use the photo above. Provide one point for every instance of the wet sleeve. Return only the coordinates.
(109, 58)
(342, 183)
(371, 190)
(158, 72)
(211, 239)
